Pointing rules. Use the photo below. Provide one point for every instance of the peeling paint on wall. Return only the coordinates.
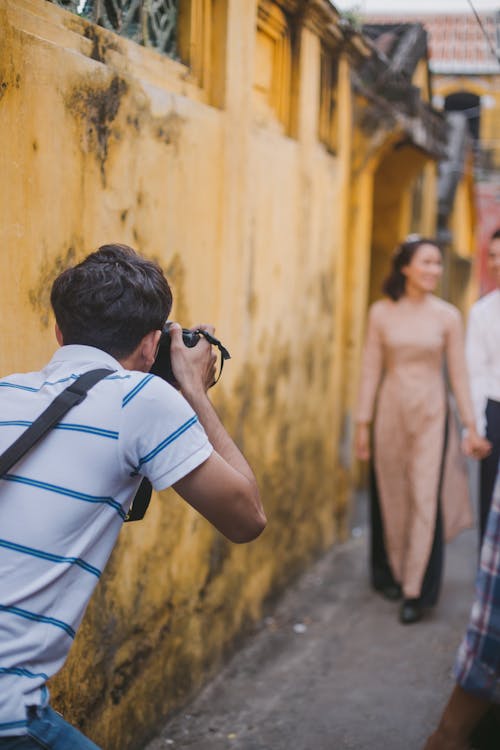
(164, 128)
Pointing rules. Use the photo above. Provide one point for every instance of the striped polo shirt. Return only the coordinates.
(63, 504)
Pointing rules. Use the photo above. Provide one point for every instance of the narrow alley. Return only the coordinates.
(319, 180)
(331, 668)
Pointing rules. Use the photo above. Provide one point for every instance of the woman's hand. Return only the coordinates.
(475, 446)
(362, 441)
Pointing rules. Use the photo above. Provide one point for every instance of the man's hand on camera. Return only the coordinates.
(194, 368)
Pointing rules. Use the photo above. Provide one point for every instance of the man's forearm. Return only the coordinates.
(463, 711)
(217, 433)
(460, 716)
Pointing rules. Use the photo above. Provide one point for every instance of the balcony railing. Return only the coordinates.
(152, 23)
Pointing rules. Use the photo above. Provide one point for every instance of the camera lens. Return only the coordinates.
(190, 338)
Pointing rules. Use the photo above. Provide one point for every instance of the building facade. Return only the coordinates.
(464, 54)
(260, 150)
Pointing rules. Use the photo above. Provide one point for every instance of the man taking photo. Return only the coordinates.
(63, 504)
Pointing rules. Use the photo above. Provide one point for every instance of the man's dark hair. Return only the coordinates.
(495, 235)
(111, 300)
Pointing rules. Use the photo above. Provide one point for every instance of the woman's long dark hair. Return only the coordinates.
(394, 285)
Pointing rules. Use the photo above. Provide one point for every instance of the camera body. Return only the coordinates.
(162, 366)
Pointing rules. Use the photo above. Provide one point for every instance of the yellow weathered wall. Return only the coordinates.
(421, 78)
(106, 141)
(467, 233)
(460, 285)
(394, 179)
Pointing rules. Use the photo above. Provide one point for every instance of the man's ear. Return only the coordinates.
(59, 335)
(149, 348)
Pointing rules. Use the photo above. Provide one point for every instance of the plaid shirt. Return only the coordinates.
(477, 666)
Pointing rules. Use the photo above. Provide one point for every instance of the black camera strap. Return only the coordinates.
(71, 396)
(224, 354)
(140, 502)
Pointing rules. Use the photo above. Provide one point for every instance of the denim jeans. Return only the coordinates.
(47, 729)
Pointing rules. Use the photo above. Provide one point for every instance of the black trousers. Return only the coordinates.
(381, 573)
(489, 465)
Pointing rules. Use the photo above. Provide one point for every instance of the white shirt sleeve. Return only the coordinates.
(478, 366)
(161, 437)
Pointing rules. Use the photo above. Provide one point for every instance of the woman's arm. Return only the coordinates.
(371, 372)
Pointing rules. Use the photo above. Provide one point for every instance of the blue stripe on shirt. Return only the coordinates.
(100, 431)
(61, 380)
(21, 672)
(168, 440)
(7, 384)
(65, 491)
(112, 376)
(50, 556)
(21, 387)
(73, 376)
(140, 385)
(38, 618)
(13, 724)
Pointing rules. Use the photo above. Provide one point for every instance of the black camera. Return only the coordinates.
(162, 366)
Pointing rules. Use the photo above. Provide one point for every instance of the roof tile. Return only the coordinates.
(453, 38)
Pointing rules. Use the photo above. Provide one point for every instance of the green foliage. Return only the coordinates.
(353, 16)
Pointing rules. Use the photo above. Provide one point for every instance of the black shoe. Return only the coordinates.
(411, 611)
(392, 591)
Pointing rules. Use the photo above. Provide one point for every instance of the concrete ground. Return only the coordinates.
(331, 668)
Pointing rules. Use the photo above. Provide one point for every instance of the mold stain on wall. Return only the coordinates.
(96, 108)
(175, 272)
(168, 129)
(39, 295)
(101, 43)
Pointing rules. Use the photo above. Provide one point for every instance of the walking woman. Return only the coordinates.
(419, 485)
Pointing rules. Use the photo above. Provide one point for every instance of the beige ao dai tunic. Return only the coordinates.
(407, 344)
